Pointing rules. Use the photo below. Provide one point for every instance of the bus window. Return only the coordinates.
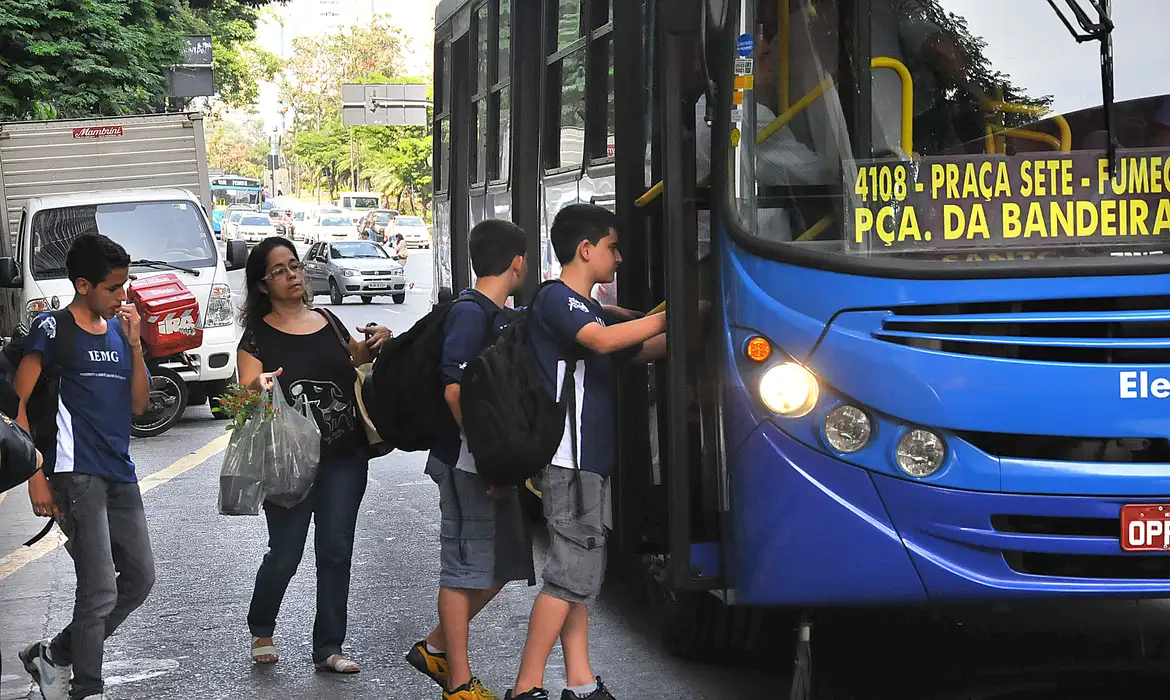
(443, 119)
(565, 113)
(501, 117)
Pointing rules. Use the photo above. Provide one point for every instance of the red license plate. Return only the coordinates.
(1145, 528)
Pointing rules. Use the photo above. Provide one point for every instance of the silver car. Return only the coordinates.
(354, 268)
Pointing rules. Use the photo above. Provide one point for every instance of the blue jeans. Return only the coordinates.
(105, 524)
(334, 502)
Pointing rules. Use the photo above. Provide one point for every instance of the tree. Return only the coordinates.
(236, 149)
(239, 65)
(84, 58)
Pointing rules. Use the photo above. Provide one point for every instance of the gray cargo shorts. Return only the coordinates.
(575, 567)
(483, 541)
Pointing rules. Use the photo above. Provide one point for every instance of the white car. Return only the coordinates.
(253, 228)
(334, 227)
(414, 230)
(230, 219)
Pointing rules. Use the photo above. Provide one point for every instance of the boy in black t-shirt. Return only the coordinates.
(568, 323)
(484, 543)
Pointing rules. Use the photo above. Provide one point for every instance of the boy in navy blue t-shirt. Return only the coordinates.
(572, 333)
(91, 487)
(483, 541)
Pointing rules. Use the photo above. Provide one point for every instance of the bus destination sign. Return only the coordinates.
(230, 182)
(947, 204)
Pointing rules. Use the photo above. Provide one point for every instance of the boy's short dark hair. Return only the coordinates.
(93, 257)
(576, 223)
(493, 244)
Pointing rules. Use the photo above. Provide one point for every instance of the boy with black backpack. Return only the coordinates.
(484, 542)
(93, 350)
(577, 344)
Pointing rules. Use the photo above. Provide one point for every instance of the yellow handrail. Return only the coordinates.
(989, 140)
(816, 229)
(907, 98)
(1061, 122)
(1026, 134)
(777, 124)
(811, 96)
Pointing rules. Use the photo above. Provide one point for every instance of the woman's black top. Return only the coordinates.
(318, 367)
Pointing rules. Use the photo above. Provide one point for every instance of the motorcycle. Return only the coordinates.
(167, 402)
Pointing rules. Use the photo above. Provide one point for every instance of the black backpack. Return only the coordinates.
(403, 394)
(512, 425)
(42, 407)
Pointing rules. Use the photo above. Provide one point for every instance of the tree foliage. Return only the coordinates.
(66, 58)
(237, 149)
(393, 160)
(84, 58)
(239, 65)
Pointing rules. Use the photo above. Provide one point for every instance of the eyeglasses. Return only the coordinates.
(292, 268)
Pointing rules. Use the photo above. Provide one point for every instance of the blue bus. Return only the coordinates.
(227, 190)
(938, 365)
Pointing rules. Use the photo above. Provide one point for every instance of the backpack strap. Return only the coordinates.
(63, 340)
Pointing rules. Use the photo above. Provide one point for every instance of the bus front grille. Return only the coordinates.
(1099, 566)
(1124, 330)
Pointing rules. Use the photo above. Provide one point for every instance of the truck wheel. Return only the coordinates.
(367, 300)
(400, 298)
(335, 296)
(168, 400)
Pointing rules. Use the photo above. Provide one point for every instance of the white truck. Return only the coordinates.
(142, 181)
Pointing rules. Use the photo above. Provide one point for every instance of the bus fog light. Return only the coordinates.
(789, 389)
(920, 453)
(847, 429)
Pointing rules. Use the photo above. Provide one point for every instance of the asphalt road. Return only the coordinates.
(190, 639)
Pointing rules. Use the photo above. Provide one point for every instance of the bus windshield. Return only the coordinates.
(172, 232)
(982, 136)
(227, 196)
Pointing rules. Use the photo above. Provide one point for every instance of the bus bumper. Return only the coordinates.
(806, 529)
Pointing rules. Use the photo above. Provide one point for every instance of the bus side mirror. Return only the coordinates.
(237, 255)
(10, 277)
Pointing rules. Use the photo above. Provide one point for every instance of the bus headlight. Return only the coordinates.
(847, 429)
(920, 453)
(789, 389)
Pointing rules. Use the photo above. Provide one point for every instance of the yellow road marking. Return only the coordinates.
(24, 556)
(2, 495)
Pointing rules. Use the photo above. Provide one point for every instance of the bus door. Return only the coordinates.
(668, 496)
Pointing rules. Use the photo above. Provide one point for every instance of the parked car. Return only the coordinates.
(333, 227)
(414, 230)
(378, 221)
(253, 228)
(354, 268)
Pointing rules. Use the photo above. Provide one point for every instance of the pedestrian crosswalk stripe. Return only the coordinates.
(24, 556)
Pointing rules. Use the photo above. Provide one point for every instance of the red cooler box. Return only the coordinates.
(170, 315)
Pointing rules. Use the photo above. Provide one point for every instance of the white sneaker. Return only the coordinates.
(53, 680)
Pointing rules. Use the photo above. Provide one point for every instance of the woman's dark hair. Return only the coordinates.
(257, 305)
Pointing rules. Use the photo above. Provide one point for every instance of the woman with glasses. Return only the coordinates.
(287, 343)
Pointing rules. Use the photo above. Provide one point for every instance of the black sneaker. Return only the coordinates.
(602, 693)
(534, 694)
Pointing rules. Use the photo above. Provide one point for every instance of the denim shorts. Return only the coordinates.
(483, 541)
(575, 512)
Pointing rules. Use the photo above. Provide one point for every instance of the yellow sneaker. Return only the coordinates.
(481, 691)
(431, 665)
(473, 690)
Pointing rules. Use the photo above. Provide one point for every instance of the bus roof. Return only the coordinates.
(446, 8)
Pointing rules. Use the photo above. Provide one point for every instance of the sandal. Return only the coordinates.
(264, 653)
(338, 664)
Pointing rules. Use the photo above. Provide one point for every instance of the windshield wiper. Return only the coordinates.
(164, 265)
(1102, 31)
